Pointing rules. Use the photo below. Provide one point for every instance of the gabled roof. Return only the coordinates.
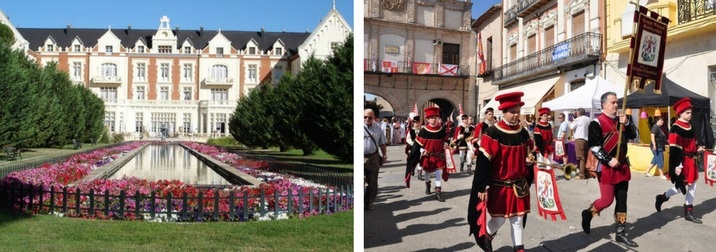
(128, 37)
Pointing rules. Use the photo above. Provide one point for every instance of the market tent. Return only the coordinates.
(670, 94)
(586, 97)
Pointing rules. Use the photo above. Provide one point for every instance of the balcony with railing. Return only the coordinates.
(219, 81)
(107, 80)
(581, 49)
(526, 7)
(414, 68)
(690, 10)
(510, 16)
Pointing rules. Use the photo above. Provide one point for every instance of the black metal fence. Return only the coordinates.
(234, 205)
(311, 172)
(690, 10)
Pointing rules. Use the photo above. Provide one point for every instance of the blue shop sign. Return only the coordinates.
(561, 51)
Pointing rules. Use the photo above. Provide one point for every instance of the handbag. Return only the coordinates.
(380, 162)
(521, 188)
(591, 165)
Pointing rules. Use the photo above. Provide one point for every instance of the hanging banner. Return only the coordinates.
(709, 168)
(647, 50)
(548, 203)
(448, 69)
(449, 162)
(422, 68)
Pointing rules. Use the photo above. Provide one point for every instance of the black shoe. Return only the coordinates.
(689, 214)
(420, 176)
(621, 238)
(439, 194)
(469, 170)
(660, 199)
(462, 166)
(427, 188)
(587, 216)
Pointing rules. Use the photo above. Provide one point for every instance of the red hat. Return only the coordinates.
(432, 111)
(682, 105)
(543, 110)
(510, 100)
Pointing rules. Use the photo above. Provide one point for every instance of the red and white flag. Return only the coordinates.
(390, 66)
(421, 68)
(448, 69)
(480, 57)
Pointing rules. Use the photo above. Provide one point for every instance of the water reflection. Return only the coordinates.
(170, 162)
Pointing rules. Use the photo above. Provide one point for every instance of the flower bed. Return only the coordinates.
(48, 189)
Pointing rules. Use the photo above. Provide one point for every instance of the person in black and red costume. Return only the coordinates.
(682, 151)
(502, 177)
(544, 137)
(431, 145)
(464, 131)
(613, 174)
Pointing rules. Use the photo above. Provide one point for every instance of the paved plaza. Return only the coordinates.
(405, 219)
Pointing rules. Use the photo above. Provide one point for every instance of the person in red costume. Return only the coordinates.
(502, 177)
(544, 137)
(682, 151)
(613, 171)
(431, 145)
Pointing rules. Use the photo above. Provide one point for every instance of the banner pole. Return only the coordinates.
(626, 81)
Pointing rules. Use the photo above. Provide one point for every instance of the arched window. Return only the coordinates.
(108, 70)
(219, 71)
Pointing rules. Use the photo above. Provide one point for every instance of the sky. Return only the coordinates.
(479, 7)
(273, 15)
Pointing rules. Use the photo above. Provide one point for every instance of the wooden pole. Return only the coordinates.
(626, 82)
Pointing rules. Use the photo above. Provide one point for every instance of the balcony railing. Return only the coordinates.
(107, 80)
(219, 81)
(510, 16)
(527, 7)
(420, 68)
(690, 10)
(581, 48)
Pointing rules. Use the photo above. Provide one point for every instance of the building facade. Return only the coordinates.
(182, 81)
(690, 55)
(548, 48)
(419, 52)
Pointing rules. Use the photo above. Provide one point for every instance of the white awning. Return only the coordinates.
(534, 93)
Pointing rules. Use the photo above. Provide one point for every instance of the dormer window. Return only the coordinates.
(187, 50)
(140, 49)
(165, 49)
(252, 50)
(219, 51)
(278, 50)
(50, 48)
(108, 49)
(77, 48)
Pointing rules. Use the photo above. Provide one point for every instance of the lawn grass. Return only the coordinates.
(318, 158)
(21, 232)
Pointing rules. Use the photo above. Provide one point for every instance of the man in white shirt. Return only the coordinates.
(373, 140)
(579, 127)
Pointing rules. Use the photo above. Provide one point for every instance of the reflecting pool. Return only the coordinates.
(170, 162)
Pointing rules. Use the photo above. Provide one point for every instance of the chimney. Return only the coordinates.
(129, 29)
(262, 30)
(201, 31)
(176, 30)
(67, 30)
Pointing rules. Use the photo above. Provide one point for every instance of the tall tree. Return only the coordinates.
(328, 112)
(287, 107)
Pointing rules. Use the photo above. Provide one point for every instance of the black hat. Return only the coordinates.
(416, 118)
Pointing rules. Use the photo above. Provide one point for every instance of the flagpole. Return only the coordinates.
(626, 81)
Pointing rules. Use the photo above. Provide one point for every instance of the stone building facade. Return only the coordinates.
(419, 52)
